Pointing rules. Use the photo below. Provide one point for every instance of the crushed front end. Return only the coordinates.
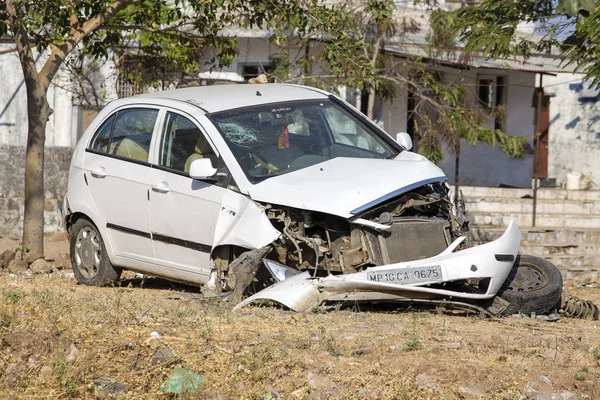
(408, 246)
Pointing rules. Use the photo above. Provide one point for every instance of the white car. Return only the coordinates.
(241, 184)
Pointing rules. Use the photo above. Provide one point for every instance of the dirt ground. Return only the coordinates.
(59, 339)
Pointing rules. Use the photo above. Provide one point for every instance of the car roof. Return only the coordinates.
(216, 98)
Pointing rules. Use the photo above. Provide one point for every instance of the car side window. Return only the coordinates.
(101, 138)
(183, 142)
(132, 133)
(348, 132)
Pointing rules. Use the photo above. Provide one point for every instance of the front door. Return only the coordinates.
(183, 211)
(117, 171)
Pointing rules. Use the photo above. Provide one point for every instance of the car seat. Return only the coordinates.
(201, 150)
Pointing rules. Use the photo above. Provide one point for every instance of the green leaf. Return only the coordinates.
(571, 7)
(588, 5)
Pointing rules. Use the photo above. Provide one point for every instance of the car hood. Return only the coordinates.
(347, 186)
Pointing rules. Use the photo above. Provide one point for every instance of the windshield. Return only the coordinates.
(275, 139)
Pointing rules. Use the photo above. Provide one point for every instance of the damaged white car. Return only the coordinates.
(286, 191)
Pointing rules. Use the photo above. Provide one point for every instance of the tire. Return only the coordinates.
(89, 259)
(534, 285)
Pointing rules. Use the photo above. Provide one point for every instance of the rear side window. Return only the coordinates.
(102, 136)
(127, 134)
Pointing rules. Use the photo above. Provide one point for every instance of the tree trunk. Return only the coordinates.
(38, 112)
(372, 89)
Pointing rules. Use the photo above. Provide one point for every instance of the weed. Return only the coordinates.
(206, 332)
(412, 344)
(303, 343)
(61, 368)
(332, 347)
(597, 354)
(13, 296)
(22, 251)
(579, 374)
(439, 310)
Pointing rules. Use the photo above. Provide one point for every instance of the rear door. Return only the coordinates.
(183, 211)
(117, 171)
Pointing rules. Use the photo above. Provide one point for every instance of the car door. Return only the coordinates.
(117, 171)
(183, 211)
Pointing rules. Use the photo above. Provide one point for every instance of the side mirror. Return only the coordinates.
(404, 140)
(201, 168)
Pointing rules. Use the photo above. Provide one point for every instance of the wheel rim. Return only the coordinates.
(88, 252)
(528, 277)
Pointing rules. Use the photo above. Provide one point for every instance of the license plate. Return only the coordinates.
(401, 276)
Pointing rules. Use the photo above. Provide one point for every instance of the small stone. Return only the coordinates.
(155, 334)
(162, 355)
(564, 395)
(425, 382)
(73, 353)
(472, 391)
(553, 355)
(6, 258)
(362, 351)
(451, 345)
(271, 389)
(298, 393)
(395, 348)
(109, 387)
(63, 261)
(17, 267)
(321, 383)
(539, 389)
(40, 266)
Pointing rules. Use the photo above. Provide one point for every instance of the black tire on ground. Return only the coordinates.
(534, 285)
(91, 265)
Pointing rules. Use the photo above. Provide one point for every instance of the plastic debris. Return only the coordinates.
(182, 381)
(155, 334)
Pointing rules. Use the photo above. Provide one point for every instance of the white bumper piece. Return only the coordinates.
(492, 260)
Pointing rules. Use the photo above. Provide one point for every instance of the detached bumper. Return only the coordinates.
(492, 260)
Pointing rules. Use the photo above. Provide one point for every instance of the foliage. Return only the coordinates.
(572, 26)
(344, 54)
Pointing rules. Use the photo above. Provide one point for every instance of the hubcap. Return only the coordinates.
(528, 277)
(87, 253)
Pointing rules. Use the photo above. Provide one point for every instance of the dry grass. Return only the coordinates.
(365, 354)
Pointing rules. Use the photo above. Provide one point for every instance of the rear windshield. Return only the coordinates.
(275, 139)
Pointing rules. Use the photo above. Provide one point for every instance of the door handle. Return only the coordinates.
(161, 187)
(99, 172)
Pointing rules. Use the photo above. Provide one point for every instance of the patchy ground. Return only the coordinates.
(59, 339)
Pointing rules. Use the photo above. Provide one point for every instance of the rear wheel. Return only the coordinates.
(91, 265)
(534, 285)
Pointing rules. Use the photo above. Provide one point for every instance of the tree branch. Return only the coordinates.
(60, 52)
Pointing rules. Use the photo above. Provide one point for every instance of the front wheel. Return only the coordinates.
(91, 265)
(534, 285)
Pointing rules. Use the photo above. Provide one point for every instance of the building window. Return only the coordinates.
(491, 97)
(250, 71)
(485, 93)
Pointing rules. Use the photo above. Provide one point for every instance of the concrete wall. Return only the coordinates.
(483, 164)
(12, 172)
(574, 134)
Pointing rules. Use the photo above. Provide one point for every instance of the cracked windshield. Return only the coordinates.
(278, 138)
